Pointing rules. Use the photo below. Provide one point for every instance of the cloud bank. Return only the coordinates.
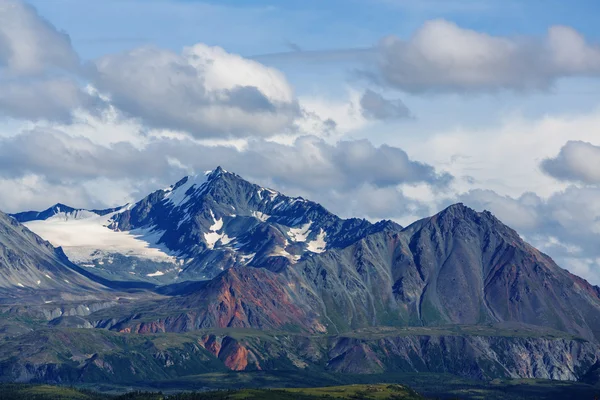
(443, 57)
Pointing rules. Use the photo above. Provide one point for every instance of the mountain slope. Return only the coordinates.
(458, 267)
(461, 266)
(27, 262)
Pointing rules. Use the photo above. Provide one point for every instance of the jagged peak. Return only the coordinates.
(198, 179)
(458, 208)
(61, 206)
(215, 173)
(459, 214)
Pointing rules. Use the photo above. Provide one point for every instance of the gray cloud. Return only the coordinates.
(375, 106)
(441, 56)
(203, 91)
(29, 44)
(309, 164)
(38, 67)
(576, 162)
(44, 99)
(61, 158)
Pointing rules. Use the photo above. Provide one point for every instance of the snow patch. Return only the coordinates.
(262, 217)
(300, 234)
(282, 252)
(319, 244)
(246, 258)
(211, 239)
(226, 239)
(157, 273)
(272, 193)
(213, 236)
(218, 223)
(86, 239)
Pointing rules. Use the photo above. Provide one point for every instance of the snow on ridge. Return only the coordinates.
(82, 239)
(212, 237)
(300, 234)
(178, 197)
(319, 244)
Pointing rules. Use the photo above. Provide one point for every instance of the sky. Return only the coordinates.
(380, 109)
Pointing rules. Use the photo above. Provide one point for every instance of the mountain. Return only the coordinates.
(30, 264)
(195, 229)
(457, 267)
(271, 282)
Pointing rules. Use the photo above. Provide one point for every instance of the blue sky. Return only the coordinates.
(377, 109)
(256, 27)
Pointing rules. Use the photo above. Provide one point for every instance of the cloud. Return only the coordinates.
(29, 44)
(309, 164)
(33, 192)
(204, 91)
(38, 67)
(61, 158)
(375, 106)
(443, 57)
(577, 162)
(52, 99)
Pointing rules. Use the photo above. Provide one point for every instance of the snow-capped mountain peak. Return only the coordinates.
(198, 227)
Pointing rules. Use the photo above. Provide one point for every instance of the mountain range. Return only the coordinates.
(215, 273)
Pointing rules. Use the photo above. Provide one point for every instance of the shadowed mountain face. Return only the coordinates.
(29, 263)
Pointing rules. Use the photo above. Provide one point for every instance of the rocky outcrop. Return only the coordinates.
(64, 356)
(470, 356)
(477, 357)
